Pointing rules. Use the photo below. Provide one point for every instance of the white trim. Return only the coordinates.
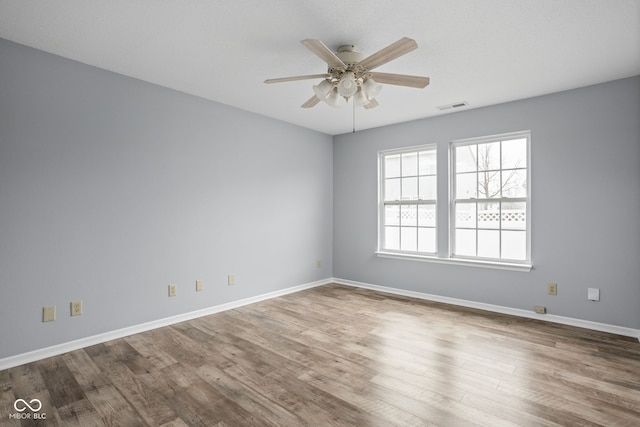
(490, 138)
(457, 261)
(526, 134)
(382, 203)
(587, 324)
(32, 356)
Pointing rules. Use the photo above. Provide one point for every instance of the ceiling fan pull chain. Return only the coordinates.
(354, 116)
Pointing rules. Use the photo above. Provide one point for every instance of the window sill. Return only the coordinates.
(457, 261)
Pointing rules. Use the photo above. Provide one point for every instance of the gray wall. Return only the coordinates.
(112, 188)
(585, 213)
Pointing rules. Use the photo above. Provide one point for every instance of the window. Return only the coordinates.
(490, 202)
(408, 200)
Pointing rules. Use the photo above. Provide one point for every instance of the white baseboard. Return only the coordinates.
(603, 327)
(57, 349)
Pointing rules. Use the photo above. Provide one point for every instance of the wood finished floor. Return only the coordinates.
(340, 356)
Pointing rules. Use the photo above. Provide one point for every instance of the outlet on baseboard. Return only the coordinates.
(540, 309)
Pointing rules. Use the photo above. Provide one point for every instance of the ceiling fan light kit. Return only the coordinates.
(349, 75)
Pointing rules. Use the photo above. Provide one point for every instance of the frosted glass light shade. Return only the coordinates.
(333, 99)
(360, 98)
(371, 88)
(322, 89)
(347, 85)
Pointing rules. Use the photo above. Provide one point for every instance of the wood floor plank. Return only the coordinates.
(145, 401)
(340, 356)
(111, 407)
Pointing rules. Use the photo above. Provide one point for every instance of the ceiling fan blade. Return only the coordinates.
(311, 102)
(401, 80)
(324, 53)
(389, 53)
(292, 79)
(372, 104)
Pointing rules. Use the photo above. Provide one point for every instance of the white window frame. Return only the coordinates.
(453, 198)
(445, 251)
(382, 203)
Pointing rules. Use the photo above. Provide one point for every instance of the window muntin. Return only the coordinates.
(490, 200)
(408, 200)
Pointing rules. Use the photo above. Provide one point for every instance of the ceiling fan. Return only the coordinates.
(349, 74)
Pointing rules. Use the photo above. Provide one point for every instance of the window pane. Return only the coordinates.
(486, 175)
(465, 242)
(465, 215)
(410, 188)
(392, 189)
(408, 239)
(410, 164)
(514, 245)
(466, 158)
(427, 163)
(489, 156)
(514, 154)
(392, 166)
(392, 215)
(392, 238)
(514, 216)
(409, 177)
(427, 215)
(488, 184)
(514, 183)
(489, 243)
(466, 186)
(427, 240)
(427, 187)
(409, 215)
(489, 215)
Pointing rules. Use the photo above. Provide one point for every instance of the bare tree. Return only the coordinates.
(489, 185)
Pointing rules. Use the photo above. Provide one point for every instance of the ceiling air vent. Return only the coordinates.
(452, 106)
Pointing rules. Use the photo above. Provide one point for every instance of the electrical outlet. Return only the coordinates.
(540, 309)
(231, 280)
(199, 285)
(319, 263)
(552, 289)
(173, 291)
(593, 294)
(49, 313)
(76, 308)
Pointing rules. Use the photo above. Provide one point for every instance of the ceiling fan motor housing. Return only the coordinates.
(349, 54)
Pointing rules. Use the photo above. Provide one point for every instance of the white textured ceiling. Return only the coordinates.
(483, 52)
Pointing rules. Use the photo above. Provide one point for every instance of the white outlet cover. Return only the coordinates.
(593, 294)
(173, 290)
(49, 314)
